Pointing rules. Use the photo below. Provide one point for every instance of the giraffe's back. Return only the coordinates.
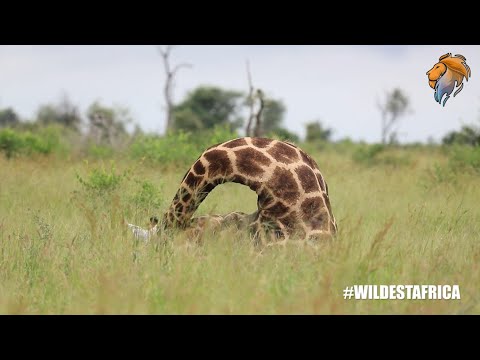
(292, 193)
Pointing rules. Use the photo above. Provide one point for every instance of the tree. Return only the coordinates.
(63, 113)
(468, 135)
(252, 97)
(107, 126)
(273, 114)
(395, 106)
(316, 131)
(8, 117)
(169, 84)
(207, 106)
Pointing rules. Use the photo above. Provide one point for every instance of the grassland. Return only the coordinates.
(63, 249)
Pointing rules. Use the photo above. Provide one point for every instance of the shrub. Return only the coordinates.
(465, 159)
(11, 142)
(100, 181)
(180, 147)
(378, 154)
(368, 155)
(44, 141)
(148, 196)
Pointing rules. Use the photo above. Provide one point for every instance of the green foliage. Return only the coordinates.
(461, 161)
(44, 141)
(175, 148)
(101, 181)
(468, 135)
(148, 195)
(64, 113)
(205, 107)
(217, 135)
(11, 142)
(8, 117)
(379, 154)
(272, 117)
(465, 159)
(187, 120)
(100, 151)
(180, 147)
(317, 132)
(368, 154)
(438, 174)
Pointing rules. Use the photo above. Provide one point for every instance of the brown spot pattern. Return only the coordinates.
(311, 206)
(251, 161)
(320, 221)
(199, 168)
(265, 199)
(178, 208)
(235, 143)
(314, 213)
(283, 185)
(275, 197)
(219, 163)
(283, 153)
(277, 210)
(289, 221)
(193, 181)
(308, 160)
(186, 195)
(252, 184)
(307, 178)
(261, 142)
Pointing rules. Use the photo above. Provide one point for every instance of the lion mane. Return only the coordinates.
(447, 74)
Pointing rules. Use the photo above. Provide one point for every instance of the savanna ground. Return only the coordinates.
(406, 216)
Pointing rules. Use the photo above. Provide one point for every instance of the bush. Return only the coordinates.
(175, 148)
(100, 181)
(44, 141)
(368, 155)
(465, 159)
(148, 196)
(378, 154)
(100, 151)
(180, 147)
(468, 135)
(11, 142)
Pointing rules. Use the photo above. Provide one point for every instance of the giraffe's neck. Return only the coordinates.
(291, 190)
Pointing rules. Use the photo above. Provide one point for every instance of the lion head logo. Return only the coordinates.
(447, 74)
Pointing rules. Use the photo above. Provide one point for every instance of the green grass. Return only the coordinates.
(63, 249)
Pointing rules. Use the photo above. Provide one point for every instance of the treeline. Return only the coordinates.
(207, 115)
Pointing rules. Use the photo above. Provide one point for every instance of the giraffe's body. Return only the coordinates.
(292, 194)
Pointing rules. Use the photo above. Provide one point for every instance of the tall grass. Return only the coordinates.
(64, 249)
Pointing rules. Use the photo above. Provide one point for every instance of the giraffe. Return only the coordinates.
(292, 194)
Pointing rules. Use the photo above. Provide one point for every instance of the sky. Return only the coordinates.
(338, 85)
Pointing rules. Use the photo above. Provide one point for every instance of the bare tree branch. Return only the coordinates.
(257, 131)
(169, 82)
(395, 105)
(250, 100)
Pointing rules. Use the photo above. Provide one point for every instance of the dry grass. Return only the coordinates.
(62, 252)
